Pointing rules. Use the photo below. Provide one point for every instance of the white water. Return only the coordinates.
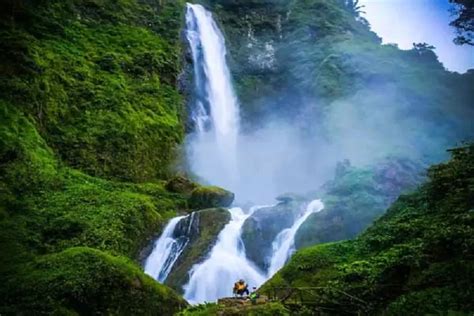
(165, 252)
(212, 154)
(284, 243)
(216, 111)
(226, 264)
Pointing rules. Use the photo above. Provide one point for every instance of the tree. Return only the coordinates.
(354, 8)
(464, 22)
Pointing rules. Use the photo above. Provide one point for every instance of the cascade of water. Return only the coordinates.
(212, 154)
(284, 243)
(169, 247)
(165, 252)
(216, 111)
(227, 263)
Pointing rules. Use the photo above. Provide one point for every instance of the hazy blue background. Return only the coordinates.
(407, 21)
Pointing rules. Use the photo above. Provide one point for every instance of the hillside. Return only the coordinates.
(89, 111)
(415, 260)
(95, 103)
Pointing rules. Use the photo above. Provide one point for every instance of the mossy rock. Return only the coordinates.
(210, 196)
(180, 184)
(85, 281)
(201, 229)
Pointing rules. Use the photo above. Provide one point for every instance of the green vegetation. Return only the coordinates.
(87, 98)
(211, 196)
(91, 118)
(270, 309)
(87, 281)
(356, 197)
(99, 80)
(316, 63)
(414, 260)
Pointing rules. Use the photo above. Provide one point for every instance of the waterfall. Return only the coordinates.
(168, 247)
(284, 243)
(212, 154)
(226, 264)
(165, 252)
(215, 112)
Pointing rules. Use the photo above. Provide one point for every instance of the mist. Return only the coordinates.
(398, 115)
(299, 155)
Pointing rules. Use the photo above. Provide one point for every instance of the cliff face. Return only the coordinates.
(317, 66)
(311, 61)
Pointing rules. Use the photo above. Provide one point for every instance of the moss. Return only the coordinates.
(180, 184)
(205, 228)
(413, 260)
(102, 93)
(269, 309)
(210, 196)
(85, 281)
(88, 96)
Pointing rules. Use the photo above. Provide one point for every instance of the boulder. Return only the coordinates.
(261, 228)
(180, 184)
(209, 197)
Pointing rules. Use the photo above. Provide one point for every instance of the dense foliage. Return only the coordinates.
(91, 117)
(464, 21)
(415, 260)
(87, 89)
(99, 80)
(356, 197)
(314, 63)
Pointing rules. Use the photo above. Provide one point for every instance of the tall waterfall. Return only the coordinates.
(284, 244)
(215, 110)
(212, 154)
(226, 264)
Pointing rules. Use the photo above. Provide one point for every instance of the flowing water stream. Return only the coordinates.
(284, 244)
(215, 113)
(165, 252)
(226, 264)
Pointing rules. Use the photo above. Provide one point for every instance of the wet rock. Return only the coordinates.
(260, 229)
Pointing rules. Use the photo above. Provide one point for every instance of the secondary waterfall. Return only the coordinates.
(226, 264)
(165, 252)
(284, 244)
(215, 111)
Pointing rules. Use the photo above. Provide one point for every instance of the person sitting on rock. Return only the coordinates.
(240, 288)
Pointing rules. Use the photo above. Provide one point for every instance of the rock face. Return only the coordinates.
(201, 230)
(211, 196)
(355, 198)
(260, 229)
